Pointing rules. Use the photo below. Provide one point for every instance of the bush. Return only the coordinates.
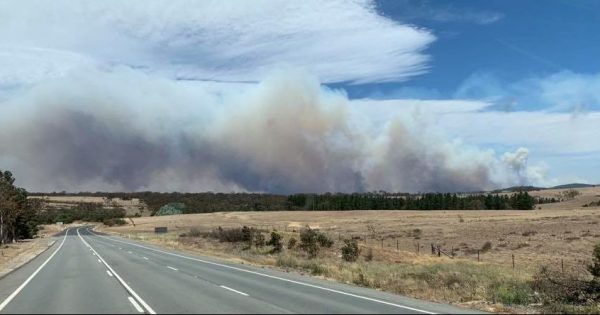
(569, 288)
(115, 221)
(350, 251)
(275, 241)
(594, 267)
(308, 242)
(323, 240)
(232, 235)
(292, 243)
(259, 240)
(512, 293)
(194, 232)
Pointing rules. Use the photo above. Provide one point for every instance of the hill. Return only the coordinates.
(573, 185)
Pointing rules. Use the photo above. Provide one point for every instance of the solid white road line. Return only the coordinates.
(109, 274)
(135, 304)
(236, 291)
(14, 294)
(272, 277)
(127, 287)
(172, 268)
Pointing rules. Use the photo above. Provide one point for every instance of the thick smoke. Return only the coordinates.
(120, 129)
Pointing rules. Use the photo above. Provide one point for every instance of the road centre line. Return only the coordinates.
(233, 290)
(22, 286)
(270, 276)
(172, 268)
(123, 283)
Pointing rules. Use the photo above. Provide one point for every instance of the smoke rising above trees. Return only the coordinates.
(123, 130)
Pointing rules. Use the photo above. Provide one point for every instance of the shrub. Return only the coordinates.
(194, 232)
(114, 221)
(323, 240)
(308, 242)
(292, 243)
(350, 251)
(594, 267)
(259, 240)
(570, 288)
(247, 233)
(232, 235)
(275, 241)
(511, 293)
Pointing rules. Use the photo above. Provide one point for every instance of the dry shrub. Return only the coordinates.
(350, 250)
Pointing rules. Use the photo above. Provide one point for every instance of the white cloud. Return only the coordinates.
(561, 91)
(210, 40)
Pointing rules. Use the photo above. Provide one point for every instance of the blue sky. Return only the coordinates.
(507, 40)
(276, 96)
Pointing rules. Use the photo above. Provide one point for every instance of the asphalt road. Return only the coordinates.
(87, 272)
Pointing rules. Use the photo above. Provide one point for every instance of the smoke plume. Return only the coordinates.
(121, 129)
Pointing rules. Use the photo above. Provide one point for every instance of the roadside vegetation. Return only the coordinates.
(20, 217)
(17, 214)
(464, 282)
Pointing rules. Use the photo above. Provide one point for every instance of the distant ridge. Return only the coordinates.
(531, 188)
(573, 185)
(517, 188)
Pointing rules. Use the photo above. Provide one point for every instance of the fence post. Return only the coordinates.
(439, 251)
(382, 242)
(432, 249)
(562, 266)
(397, 245)
(513, 260)
(478, 255)
(418, 248)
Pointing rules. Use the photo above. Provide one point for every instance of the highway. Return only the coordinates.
(88, 272)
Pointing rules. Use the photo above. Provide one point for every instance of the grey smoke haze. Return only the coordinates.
(121, 129)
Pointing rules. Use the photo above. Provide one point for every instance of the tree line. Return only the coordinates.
(20, 217)
(219, 202)
(429, 201)
(17, 214)
(88, 212)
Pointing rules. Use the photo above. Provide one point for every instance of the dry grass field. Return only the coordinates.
(559, 235)
(535, 237)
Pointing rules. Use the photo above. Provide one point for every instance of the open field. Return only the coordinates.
(535, 237)
(559, 235)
